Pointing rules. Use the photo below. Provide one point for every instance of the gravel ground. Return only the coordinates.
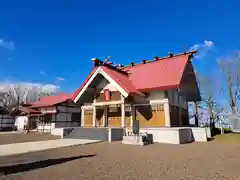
(118, 161)
(12, 137)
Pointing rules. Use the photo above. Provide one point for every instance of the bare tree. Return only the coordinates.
(230, 67)
(206, 89)
(15, 95)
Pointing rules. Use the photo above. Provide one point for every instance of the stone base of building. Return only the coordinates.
(172, 135)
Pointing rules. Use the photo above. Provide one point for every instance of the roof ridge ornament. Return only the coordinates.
(96, 62)
(143, 61)
(156, 58)
(170, 54)
(132, 63)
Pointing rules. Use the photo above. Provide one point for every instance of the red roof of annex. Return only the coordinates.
(51, 100)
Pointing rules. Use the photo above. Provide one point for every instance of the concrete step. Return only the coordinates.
(134, 140)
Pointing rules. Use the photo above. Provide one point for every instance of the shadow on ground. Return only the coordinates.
(38, 164)
(210, 139)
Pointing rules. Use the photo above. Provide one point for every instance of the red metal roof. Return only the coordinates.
(28, 110)
(52, 100)
(122, 80)
(161, 74)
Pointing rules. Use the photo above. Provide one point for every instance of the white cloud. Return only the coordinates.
(7, 44)
(43, 73)
(208, 43)
(60, 78)
(203, 48)
(48, 88)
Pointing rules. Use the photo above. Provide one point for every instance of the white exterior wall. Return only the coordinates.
(44, 127)
(156, 95)
(20, 121)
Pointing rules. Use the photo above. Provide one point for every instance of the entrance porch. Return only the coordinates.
(107, 114)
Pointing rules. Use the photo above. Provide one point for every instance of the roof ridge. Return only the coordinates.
(190, 53)
(99, 63)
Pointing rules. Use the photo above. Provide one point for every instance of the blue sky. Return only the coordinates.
(52, 42)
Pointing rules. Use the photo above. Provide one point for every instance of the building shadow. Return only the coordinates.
(11, 169)
(145, 111)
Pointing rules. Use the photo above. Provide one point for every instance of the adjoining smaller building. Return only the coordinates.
(49, 112)
(6, 120)
(23, 118)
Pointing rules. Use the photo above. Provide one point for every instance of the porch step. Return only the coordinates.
(135, 140)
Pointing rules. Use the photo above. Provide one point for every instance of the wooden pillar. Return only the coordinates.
(82, 117)
(105, 118)
(195, 108)
(94, 116)
(38, 120)
(94, 112)
(122, 112)
(167, 114)
(133, 116)
(123, 115)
